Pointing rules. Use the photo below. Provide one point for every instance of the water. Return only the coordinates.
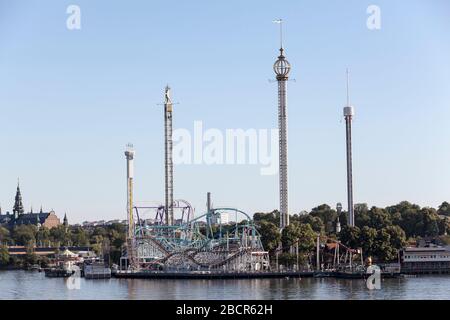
(34, 285)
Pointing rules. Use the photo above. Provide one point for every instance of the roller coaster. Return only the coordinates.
(206, 242)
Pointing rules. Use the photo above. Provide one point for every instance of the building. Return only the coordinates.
(425, 260)
(19, 217)
(103, 223)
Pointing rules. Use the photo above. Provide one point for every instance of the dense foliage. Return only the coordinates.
(380, 232)
(104, 240)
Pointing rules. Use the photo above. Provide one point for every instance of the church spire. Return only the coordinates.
(18, 206)
(66, 222)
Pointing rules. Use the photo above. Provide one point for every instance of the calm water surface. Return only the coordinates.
(34, 285)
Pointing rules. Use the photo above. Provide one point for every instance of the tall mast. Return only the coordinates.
(349, 112)
(282, 69)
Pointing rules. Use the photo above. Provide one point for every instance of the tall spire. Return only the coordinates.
(65, 222)
(280, 22)
(18, 206)
(348, 86)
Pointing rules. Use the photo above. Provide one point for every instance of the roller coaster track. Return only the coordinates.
(157, 243)
(236, 255)
(191, 253)
(219, 263)
(201, 251)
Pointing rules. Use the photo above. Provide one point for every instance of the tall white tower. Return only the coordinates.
(168, 162)
(282, 69)
(349, 112)
(129, 154)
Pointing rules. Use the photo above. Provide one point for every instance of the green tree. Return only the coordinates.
(430, 220)
(315, 222)
(302, 234)
(367, 240)
(397, 237)
(4, 235)
(444, 209)
(30, 257)
(59, 234)
(270, 235)
(402, 207)
(79, 237)
(349, 236)
(43, 236)
(379, 218)
(287, 259)
(4, 255)
(100, 231)
(382, 247)
(361, 211)
(43, 261)
(412, 222)
(273, 217)
(23, 234)
(444, 226)
(385, 248)
(327, 215)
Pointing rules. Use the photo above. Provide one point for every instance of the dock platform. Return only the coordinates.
(209, 275)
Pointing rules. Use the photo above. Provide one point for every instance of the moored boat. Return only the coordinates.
(59, 272)
(96, 270)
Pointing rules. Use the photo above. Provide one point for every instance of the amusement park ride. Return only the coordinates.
(195, 243)
(205, 242)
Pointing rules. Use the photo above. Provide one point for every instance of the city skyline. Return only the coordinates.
(72, 100)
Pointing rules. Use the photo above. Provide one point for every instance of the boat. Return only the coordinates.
(34, 267)
(350, 275)
(323, 274)
(66, 266)
(59, 272)
(96, 270)
(62, 270)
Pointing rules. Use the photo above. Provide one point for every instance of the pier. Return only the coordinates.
(211, 275)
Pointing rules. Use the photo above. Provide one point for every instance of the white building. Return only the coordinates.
(425, 260)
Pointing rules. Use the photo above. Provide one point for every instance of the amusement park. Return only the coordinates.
(176, 239)
(169, 239)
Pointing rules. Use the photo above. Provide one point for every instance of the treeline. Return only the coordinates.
(104, 240)
(380, 232)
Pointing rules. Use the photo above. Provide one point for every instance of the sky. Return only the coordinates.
(71, 100)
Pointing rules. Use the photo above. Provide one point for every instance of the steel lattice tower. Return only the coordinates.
(168, 146)
(282, 69)
(349, 112)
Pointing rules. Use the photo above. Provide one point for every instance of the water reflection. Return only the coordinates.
(33, 285)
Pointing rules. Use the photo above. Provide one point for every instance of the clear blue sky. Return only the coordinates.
(71, 100)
